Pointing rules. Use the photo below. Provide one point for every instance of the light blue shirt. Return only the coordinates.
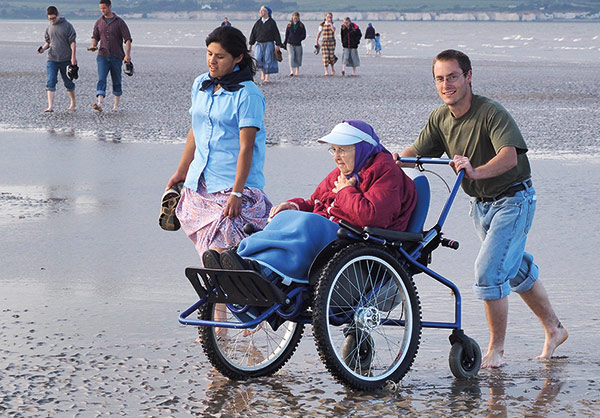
(216, 122)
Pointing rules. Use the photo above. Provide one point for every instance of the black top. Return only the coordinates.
(265, 32)
(351, 36)
(370, 33)
(294, 37)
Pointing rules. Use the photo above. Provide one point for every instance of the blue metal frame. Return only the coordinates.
(411, 258)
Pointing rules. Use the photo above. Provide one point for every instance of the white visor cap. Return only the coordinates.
(346, 134)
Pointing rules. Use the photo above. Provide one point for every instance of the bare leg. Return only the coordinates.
(220, 312)
(50, 101)
(116, 106)
(292, 71)
(332, 70)
(98, 105)
(343, 69)
(326, 72)
(262, 74)
(496, 312)
(71, 94)
(266, 80)
(297, 70)
(539, 303)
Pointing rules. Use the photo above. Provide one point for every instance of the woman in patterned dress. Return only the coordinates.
(223, 159)
(327, 35)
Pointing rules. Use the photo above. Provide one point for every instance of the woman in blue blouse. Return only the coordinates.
(222, 164)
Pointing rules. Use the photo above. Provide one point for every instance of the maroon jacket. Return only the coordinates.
(111, 37)
(385, 197)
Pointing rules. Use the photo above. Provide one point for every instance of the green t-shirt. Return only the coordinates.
(479, 134)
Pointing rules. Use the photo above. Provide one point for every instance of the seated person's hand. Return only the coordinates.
(342, 182)
(281, 207)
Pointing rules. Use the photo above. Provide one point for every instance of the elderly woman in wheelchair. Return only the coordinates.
(336, 260)
(366, 189)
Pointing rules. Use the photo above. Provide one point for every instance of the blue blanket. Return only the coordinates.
(289, 243)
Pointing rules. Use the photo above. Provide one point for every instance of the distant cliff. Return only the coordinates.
(392, 16)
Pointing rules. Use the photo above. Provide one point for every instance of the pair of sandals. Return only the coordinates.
(228, 260)
(167, 219)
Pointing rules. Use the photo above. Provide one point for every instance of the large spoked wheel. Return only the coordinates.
(366, 317)
(463, 364)
(242, 353)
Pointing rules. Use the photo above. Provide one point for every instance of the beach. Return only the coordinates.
(91, 287)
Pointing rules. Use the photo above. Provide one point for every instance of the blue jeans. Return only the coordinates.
(502, 264)
(106, 65)
(52, 69)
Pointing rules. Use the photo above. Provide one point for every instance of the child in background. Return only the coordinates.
(377, 44)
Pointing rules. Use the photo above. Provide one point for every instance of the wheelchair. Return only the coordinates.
(361, 300)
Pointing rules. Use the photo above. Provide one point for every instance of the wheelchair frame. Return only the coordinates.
(242, 291)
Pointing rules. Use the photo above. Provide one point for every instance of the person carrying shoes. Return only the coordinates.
(60, 42)
(110, 33)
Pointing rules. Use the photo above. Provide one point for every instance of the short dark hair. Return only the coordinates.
(452, 54)
(107, 2)
(51, 10)
(233, 41)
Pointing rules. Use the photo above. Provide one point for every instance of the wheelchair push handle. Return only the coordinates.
(450, 243)
(424, 160)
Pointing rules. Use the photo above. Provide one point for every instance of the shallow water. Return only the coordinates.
(91, 288)
(545, 74)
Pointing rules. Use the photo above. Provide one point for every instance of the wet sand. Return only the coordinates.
(91, 289)
(554, 105)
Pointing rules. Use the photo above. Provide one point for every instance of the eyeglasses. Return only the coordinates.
(340, 151)
(51, 17)
(449, 78)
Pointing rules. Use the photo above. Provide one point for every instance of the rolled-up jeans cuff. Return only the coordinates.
(526, 284)
(491, 292)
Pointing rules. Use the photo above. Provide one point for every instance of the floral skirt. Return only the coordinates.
(201, 216)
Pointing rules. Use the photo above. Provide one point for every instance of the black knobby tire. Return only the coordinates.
(359, 289)
(240, 353)
(462, 365)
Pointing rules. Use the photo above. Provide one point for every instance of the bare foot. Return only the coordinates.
(493, 359)
(71, 109)
(97, 107)
(248, 332)
(554, 338)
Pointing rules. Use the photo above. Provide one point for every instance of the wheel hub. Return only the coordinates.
(368, 318)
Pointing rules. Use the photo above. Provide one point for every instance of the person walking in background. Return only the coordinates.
(483, 139)
(370, 39)
(327, 34)
(110, 31)
(295, 33)
(223, 160)
(225, 22)
(267, 38)
(350, 35)
(60, 42)
(377, 44)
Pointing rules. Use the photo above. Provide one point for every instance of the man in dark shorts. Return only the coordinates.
(60, 39)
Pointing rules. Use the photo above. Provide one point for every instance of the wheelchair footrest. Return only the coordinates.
(240, 287)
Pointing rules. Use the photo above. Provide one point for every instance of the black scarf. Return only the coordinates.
(230, 82)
